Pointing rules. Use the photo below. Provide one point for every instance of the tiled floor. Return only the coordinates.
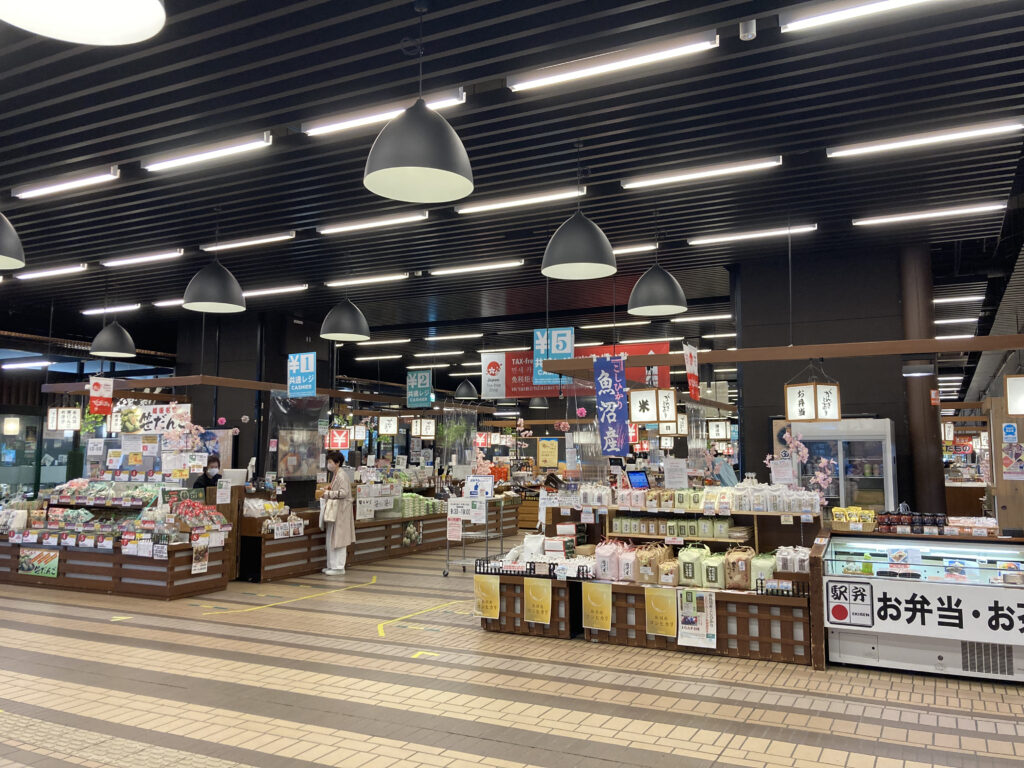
(387, 667)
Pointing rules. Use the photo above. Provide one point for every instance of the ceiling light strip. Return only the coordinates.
(375, 223)
(439, 354)
(700, 318)
(228, 245)
(208, 152)
(596, 326)
(504, 349)
(368, 280)
(169, 303)
(477, 268)
(755, 235)
(500, 204)
(626, 250)
(429, 365)
(66, 182)
(273, 291)
(957, 299)
(454, 336)
(928, 138)
(146, 258)
(833, 13)
(705, 172)
(378, 342)
(939, 213)
(55, 272)
(112, 310)
(378, 357)
(28, 364)
(381, 113)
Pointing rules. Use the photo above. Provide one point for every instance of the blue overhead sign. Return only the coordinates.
(302, 374)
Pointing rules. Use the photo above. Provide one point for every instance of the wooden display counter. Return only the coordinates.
(113, 572)
(566, 610)
(266, 558)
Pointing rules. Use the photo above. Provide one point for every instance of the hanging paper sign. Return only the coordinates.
(826, 398)
(483, 440)
(492, 381)
(153, 419)
(643, 405)
(667, 428)
(559, 348)
(337, 439)
(418, 386)
(389, 425)
(101, 395)
(698, 622)
(800, 402)
(416, 429)
(934, 395)
(692, 379)
(667, 443)
(302, 374)
(667, 405)
(547, 452)
(114, 423)
(718, 430)
(359, 431)
(634, 433)
(682, 424)
(64, 419)
(428, 429)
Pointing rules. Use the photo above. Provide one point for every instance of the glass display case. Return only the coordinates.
(864, 458)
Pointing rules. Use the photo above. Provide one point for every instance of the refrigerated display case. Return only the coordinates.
(865, 459)
(951, 605)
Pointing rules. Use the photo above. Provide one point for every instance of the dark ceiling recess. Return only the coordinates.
(241, 67)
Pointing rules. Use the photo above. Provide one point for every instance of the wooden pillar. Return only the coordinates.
(922, 416)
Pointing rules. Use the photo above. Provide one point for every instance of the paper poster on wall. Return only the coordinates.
(675, 473)
(1012, 457)
(547, 452)
(94, 447)
(698, 625)
(39, 562)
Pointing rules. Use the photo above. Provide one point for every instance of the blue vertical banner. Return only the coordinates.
(612, 409)
(418, 386)
(302, 374)
(559, 348)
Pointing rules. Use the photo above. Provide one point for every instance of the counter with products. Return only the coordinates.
(278, 543)
(948, 604)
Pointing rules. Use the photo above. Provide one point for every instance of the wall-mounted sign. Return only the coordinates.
(428, 429)
(389, 425)
(718, 429)
(152, 419)
(1014, 388)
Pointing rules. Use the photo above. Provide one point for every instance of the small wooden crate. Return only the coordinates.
(566, 610)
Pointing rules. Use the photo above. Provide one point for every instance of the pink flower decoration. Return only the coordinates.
(221, 421)
(234, 431)
(581, 413)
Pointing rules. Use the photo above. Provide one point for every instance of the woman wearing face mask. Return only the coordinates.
(210, 477)
(336, 514)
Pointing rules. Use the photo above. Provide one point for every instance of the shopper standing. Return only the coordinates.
(336, 515)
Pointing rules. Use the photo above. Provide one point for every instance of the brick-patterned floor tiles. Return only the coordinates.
(386, 666)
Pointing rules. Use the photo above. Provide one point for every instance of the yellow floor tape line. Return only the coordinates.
(293, 600)
(380, 627)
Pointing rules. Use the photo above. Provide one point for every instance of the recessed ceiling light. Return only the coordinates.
(478, 268)
(228, 245)
(449, 353)
(940, 213)
(700, 318)
(146, 258)
(926, 139)
(957, 299)
(653, 52)
(208, 152)
(377, 342)
(378, 357)
(429, 365)
(380, 113)
(499, 204)
(55, 272)
(375, 223)
(505, 349)
(705, 172)
(111, 310)
(454, 336)
(368, 280)
(626, 250)
(272, 291)
(596, 326)
(803, 17)
(64, 183)
(957, 321)
(957, 336)
(756, 235)
(169, 303)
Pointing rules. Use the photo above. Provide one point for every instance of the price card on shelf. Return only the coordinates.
(157, 551)
(86, 540)
(786, 520)
(103, 541)
(129, 545)
(29, 537)
(217, 538)
(675, 540)
(566, 512)
(807, 518)
(587, 515)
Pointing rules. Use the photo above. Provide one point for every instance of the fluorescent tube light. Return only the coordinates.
(376, 223)
(368, 280)
(380, 113)
(452, 337)
(505, 349)
(472, 364)
(379, 357)
(725, 370)
(700, 318)
(957, 336)
(500, 204)
(756, 235)
(947, 377)
(126, 261)
(651, 341)
(464, 374)
(477, 268)
(429, 365)
(957, 299)
(111, 310)
(28, 364)
(939, 213)
(626, 250)
(613, 325)
(208, 152)
(272, 291)
(505, 413)
(719, 336)
(377, 342)
(925, 139)
(55, 272)
(730, 349)
(957, 321)
(449, 353)
(808, 18)
(656, 51)
(169, 303)
(64, 183)
(581, 344)
(705, 172)
(228, 245)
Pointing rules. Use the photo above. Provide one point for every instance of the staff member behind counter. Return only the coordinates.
(212, 474)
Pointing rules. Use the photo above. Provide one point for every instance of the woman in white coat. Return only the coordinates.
(337, 515)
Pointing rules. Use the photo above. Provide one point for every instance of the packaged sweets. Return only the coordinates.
(737, 567)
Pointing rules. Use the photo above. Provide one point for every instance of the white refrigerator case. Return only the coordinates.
(865, 461)
(949, 607)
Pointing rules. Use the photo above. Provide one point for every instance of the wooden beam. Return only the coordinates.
(578, 365)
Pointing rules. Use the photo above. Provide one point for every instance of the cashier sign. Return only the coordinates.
(943, 610)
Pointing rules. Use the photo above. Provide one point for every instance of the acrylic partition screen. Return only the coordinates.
(295, 443)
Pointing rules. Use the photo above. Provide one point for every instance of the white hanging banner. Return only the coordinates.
(826, 398)
(492, 380)
(800, 402)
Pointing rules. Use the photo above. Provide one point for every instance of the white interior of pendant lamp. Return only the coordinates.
(88, 22)
(417, 184)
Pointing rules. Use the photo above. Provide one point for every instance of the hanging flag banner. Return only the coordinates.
(550, 344)
(610, 394)
(101, 396)
(418, 386)
(692, 378)
(492, 381)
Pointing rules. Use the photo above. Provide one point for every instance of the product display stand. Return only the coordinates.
(486, 536)
(268, 557)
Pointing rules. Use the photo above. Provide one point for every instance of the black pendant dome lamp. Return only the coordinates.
(418, 157)
(345, 322)
(113, 341)
(538, 404)
(657, 292)
(12, 255)
(578, 250)
(466, 391)
(214, 289)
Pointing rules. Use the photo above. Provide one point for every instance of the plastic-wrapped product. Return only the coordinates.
(737, 567)
(607, 560)
(691, 565)
(762, 567)
(714, 571)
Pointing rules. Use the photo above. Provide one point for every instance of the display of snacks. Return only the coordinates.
(853, 519)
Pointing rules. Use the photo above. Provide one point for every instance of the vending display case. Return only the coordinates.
(950, 605)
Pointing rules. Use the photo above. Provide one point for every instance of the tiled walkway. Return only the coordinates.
(387, 667)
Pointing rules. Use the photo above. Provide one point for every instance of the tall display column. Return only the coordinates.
(922, 420)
